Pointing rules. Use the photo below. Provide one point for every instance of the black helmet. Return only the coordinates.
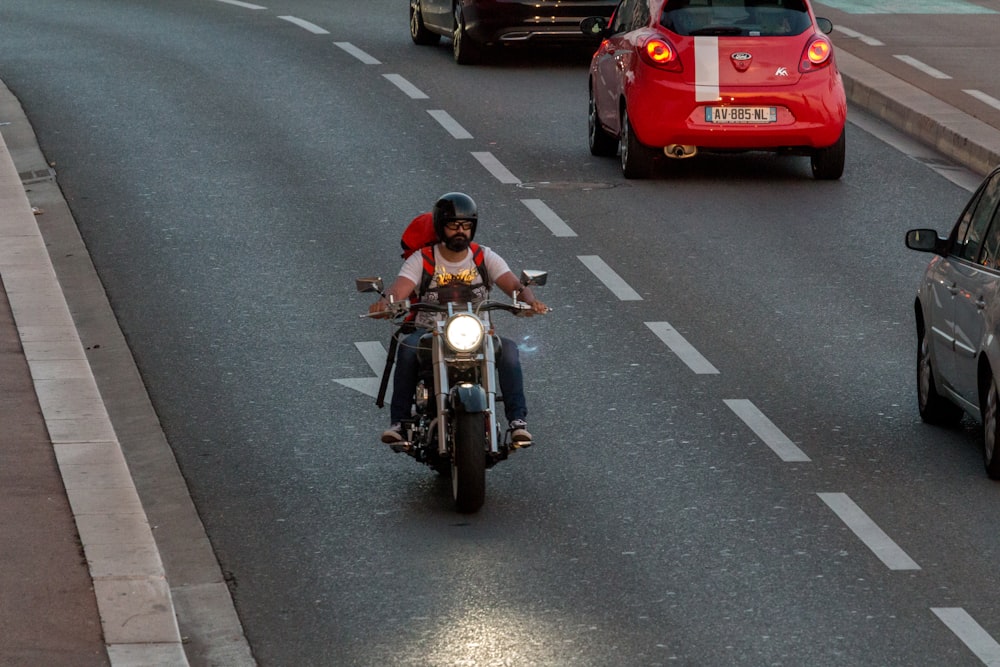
(454, 206)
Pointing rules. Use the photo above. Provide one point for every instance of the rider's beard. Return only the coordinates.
(457, 243)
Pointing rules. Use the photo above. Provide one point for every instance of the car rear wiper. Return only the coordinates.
(717, 30)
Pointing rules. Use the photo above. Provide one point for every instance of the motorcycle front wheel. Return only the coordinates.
(468, 466)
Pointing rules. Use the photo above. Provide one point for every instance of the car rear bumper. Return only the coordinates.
(514, 21)
(810, 114)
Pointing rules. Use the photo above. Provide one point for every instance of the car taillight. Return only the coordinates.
(818, 54)
(661, 54)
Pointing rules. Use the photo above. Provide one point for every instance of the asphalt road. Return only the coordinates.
(232, 172)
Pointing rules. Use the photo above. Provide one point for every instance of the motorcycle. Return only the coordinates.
(455, 429)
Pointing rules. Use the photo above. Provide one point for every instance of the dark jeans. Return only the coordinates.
(407, 374)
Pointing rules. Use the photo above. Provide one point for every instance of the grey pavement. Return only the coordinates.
(87, 578)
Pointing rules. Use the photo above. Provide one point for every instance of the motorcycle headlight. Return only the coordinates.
(464, 333)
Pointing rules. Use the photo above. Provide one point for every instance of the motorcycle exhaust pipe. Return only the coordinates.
(680, 151)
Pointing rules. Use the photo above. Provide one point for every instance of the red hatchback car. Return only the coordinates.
(675, 77)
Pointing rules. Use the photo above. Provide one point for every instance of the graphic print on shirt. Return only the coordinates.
(443, 277)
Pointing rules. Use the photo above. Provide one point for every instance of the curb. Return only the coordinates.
(951, 132)
(133, 597)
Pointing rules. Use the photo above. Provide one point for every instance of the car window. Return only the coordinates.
(971, 227)
(623, 17)
(752, 18)
(990, 256)
(630, 15)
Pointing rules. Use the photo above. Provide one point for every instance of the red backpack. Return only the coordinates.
(418, 234)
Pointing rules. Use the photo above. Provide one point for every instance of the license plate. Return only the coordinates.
(727, 115)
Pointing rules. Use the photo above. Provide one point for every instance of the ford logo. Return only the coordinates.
(741, 60)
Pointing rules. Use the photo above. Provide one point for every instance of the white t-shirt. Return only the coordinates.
(462, 272)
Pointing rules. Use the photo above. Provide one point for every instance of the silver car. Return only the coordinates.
(958, 320)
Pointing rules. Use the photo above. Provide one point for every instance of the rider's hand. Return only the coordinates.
(537, 308)
(378, 309)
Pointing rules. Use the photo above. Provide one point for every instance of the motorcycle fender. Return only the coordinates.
(469, 398)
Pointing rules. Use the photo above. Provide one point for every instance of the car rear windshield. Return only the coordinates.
(764, 18)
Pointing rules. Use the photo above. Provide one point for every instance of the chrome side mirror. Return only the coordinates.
(530, 277)
(369, 284)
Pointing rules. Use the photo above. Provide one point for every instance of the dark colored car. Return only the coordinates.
(475, 25)
(958, 320)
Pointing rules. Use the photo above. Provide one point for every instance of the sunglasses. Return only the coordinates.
(455, 225)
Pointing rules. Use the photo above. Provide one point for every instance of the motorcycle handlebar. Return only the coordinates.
(401, 308)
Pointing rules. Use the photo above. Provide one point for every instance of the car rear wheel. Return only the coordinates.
(637, 158)
(828, 163)
(934, 409)
(418, 31)
(601, 143)
(464, 48)
(991, 436)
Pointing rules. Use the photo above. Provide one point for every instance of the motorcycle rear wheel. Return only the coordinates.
(468, 467)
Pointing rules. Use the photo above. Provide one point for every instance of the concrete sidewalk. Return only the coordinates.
(82, 581)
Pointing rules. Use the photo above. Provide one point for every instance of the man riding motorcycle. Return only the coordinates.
(455, 262)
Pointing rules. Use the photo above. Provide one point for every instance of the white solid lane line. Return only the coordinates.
(302, 23)
(683, 349)
(971, 633)
(358, 53)
(548, 217)
(868, 532)
(493, 165)
(411, 91)
(767, 431)
(610, 279)
(926, 69)
(449, 123)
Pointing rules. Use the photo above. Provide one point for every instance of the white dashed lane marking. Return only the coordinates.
(610, 279)
(302, 23)
(984, 98)
(868, 532)
(683, 349)
(548, 217)
(923, 67)
(854, 34)
(411, 91)
(493, 165)
(971, 633)
(765, 429)
(358, 53)
(244, 5)
(449, 124)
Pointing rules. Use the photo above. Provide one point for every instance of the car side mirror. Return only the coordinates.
(529, 277)
(825, 25)
(925, 240)
(594, 26)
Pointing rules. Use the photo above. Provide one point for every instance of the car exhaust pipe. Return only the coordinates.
(679, 152)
